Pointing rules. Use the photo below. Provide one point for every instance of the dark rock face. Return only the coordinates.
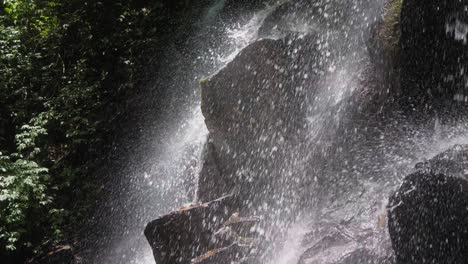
(206, 233)
(248, 107)
(321, 250)
(348, 241)
(183, 235)
(434, 54)
(428, 214)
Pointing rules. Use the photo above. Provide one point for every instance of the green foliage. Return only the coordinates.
(66, 69)
(29, 135)
(26, 203)
(23, 186)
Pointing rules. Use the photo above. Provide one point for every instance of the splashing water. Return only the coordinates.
(362, 205)
(367, 205)
(459, 29)
(241, 36)
(293, 246)
(179, 159)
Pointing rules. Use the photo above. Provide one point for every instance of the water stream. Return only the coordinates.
(174, 173)
(173, 177)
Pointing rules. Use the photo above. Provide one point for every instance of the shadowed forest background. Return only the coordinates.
(69, 73)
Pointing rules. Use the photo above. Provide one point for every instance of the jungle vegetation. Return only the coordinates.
(66, 70)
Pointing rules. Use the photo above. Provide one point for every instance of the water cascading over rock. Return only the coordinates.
(256, 118)
(315, 122)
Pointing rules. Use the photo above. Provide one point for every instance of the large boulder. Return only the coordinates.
(256, 112)
(212, 232)
(428, 214)
(185, 234)
(273, 112)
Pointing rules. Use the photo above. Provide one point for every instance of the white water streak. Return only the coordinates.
(193, 132)
(293, 248)
(459, 29)
(243, 35)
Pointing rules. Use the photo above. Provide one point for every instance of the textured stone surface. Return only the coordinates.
(345, 242)
(428, 214)
(255, 111)
(185, 234)
(206, 233)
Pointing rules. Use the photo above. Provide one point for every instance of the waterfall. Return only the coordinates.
(357, 198)
(331, 183)
(170, 181)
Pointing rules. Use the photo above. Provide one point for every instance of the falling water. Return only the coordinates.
(362, 202)
(172, 180)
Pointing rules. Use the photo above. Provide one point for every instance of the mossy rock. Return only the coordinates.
(204, 82)
(390, 32)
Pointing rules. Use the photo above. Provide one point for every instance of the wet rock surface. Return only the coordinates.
(248, 107)
(428, 214)
(349, 231)
(258, 113)
(426, 217)
(206, 233)
(173, 237)
(341, 245)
